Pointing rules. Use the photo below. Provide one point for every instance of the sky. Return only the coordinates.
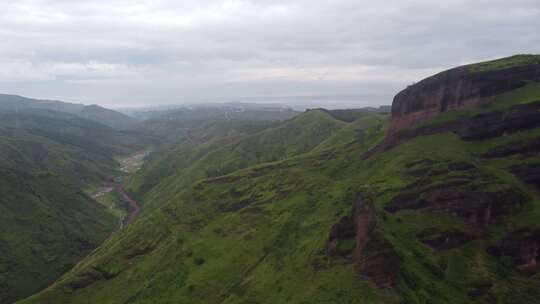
(134, 53)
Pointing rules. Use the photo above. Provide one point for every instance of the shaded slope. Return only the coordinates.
(75, 131)
(47, 223)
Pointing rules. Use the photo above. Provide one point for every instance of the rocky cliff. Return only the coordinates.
(463, 87)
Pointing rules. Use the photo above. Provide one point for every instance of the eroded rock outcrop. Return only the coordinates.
(353, 230)
(462, 88)
(356, 238)
(379, 262)
(454, 89)
(478, 127)
(475, 207)
(526, 147)
(522, 246)
(444, 240)
(529, 173)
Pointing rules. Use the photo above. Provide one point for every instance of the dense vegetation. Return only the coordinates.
(51, 159)
(257, 187)
(328, 207)
(232, 146)
(47, 222)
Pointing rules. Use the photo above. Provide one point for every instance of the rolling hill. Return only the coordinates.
(437, 204)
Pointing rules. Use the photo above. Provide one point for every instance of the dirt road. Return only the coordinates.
(134, 207)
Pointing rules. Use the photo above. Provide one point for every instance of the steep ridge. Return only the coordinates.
(449, 213)
(485, 122)
(47, 222)
(476, 101)
(462, 87)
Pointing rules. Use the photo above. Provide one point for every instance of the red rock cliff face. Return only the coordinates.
(454, 89)
(374, 256)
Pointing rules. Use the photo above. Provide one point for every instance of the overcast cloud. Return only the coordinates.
(125, 52)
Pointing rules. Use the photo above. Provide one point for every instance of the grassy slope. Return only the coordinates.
(47, 222)
(449, 276)
(254, 236)
(184, 144)
(361, 130)
(200, 248)
(504, 63)
(182, 166)
(257, 235)
(196, 131)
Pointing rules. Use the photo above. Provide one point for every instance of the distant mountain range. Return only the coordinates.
(111, 118)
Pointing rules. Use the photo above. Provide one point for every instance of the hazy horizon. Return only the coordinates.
(297, 102)
(119, 54)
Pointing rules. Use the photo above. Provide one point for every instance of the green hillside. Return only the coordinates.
(224, 153)
(47, 222)
(201, 123)
(327, 209)
(256, 207)
(242, 237)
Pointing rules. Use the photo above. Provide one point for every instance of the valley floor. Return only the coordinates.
(113, 195)
(126, 210)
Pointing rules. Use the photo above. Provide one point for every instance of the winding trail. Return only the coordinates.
(134, 207)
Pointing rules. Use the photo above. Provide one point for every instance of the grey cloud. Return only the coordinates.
(122, 52)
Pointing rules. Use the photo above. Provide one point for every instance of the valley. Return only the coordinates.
(269, 152)
(126, 210)
(112, 193)
(432, 201)
(63, 185)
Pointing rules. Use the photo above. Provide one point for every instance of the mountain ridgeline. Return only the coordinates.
(437, 203)
(17, 104)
